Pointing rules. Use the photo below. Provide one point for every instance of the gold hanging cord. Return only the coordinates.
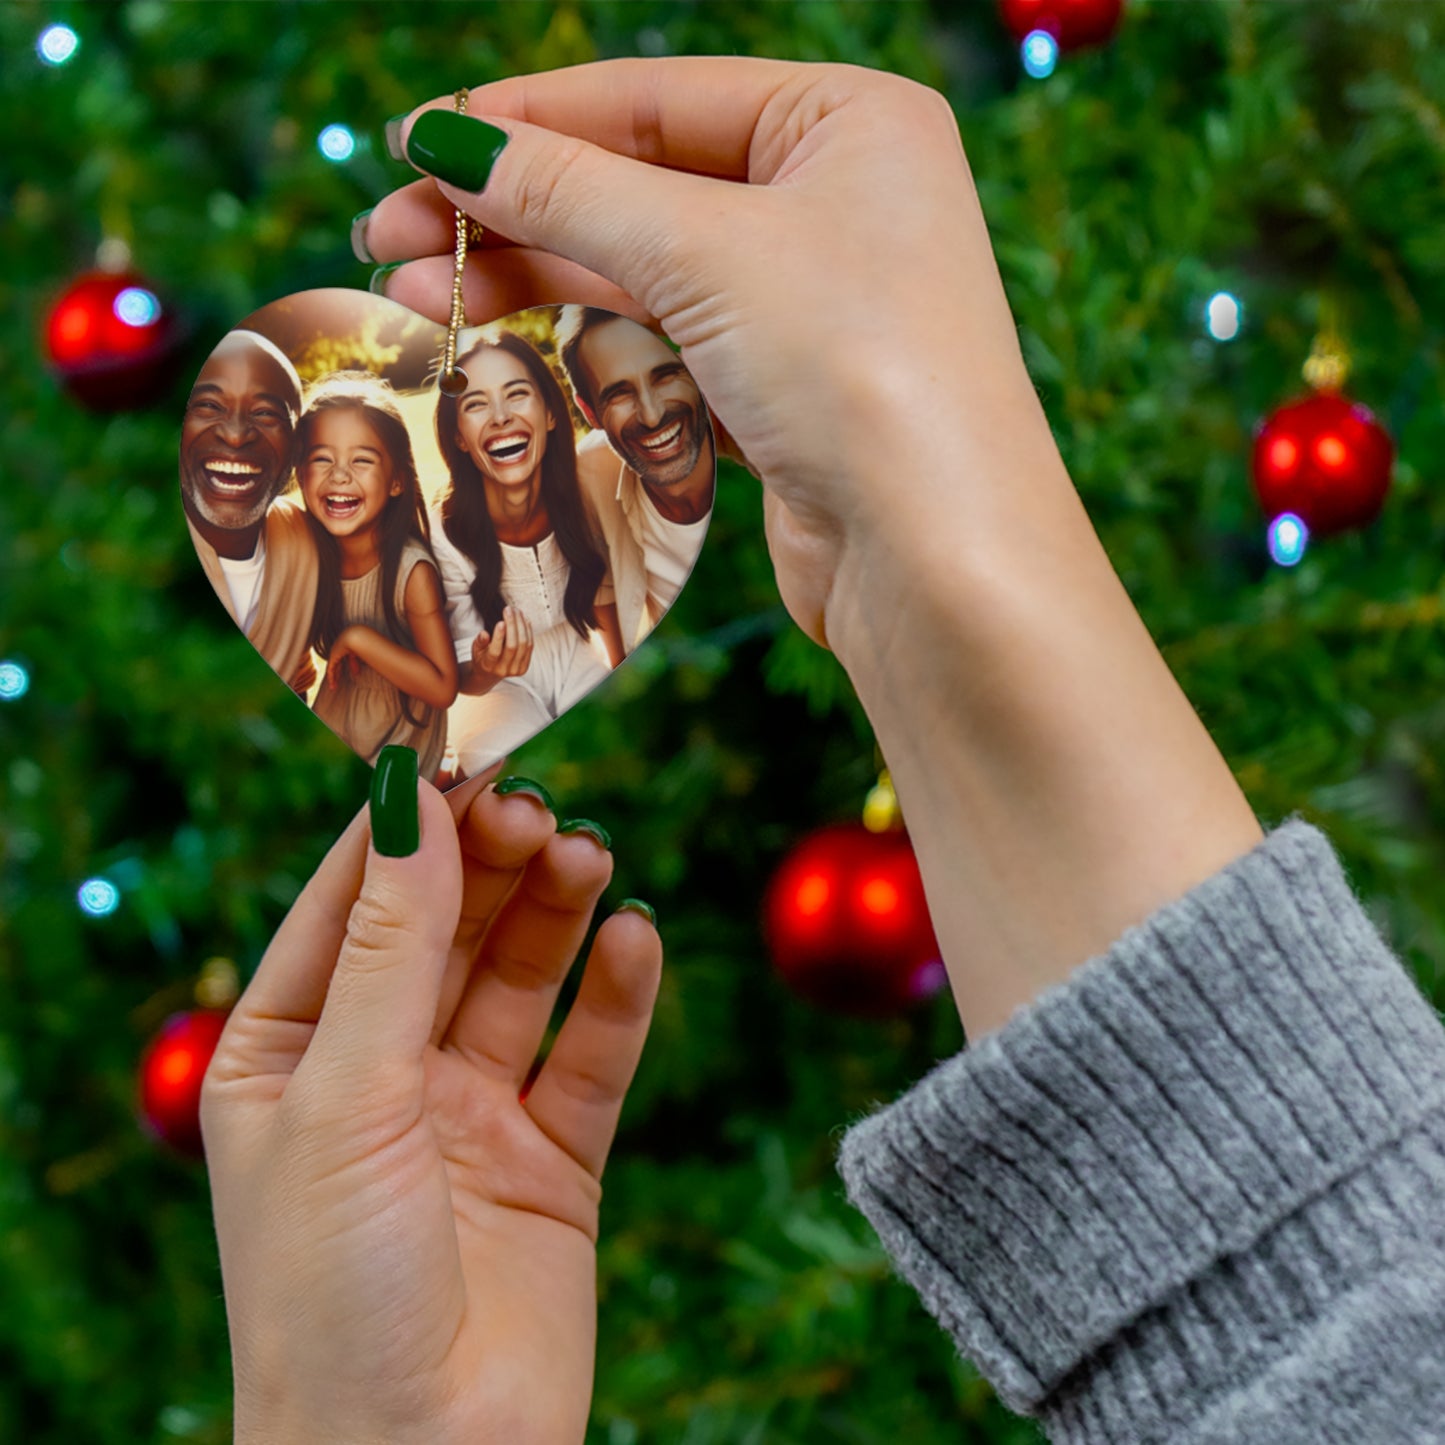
(452, 381)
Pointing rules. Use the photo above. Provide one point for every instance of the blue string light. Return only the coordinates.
(1040, 53)
(14, 681)
(98, 897)
(57, 44)
(1288, 538)
(336, 143)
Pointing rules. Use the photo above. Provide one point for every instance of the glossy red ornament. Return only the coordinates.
(1324, 458)
(1073, 23)
(847, 924)
(171, 1071)
(112, 341)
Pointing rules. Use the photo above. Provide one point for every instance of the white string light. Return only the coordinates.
(14, 681)
(1040, 54)
(336, 143)
(137, 307)
(1288, 538)
(1223, 316)
(57, 44)
(98, 897)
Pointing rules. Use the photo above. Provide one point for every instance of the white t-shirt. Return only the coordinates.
(243, 582)
(669, 550)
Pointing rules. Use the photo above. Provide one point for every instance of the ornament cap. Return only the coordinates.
(113, 255)
(881, 813)
(1328, 365)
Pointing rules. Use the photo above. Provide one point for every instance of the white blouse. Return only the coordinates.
(534, 579)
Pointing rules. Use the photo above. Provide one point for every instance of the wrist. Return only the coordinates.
(283, 1423)
(1057, 784)
(941, 536)
(477, 681)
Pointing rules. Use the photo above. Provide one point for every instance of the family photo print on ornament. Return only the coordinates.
(446, 572)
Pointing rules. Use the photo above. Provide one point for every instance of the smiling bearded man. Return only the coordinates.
(653, 508)
(236, 456)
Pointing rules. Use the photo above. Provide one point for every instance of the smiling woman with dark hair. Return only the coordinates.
(524, 578)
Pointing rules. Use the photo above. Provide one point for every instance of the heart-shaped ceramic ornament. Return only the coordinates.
(449, 572)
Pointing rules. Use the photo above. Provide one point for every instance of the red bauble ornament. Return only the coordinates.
(1073, 23)
(847, 923)
(171, 1071)
(1324, 458)
(111, 341)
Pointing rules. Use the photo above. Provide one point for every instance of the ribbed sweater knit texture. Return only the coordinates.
(1197, 1191)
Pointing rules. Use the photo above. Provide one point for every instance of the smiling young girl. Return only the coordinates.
(380, 624)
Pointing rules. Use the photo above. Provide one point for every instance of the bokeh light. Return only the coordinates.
(813, 894)
(98, 897)
(57, 44)
(1040, 52)
(1223, 316)
(1288, 538)
(137, 307)
(14, 681)
(336, 143)
(929, 979)
(879, 897)
(1282, 454)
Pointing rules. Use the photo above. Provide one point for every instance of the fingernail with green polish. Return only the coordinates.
(508, 786)
(636, 905)
(377, 284)
(593, 830)
(455, 148)
(359, 248)
(393, 137)
(395, 825)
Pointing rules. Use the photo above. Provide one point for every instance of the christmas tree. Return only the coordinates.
(1211, 161)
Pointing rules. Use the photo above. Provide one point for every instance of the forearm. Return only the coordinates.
(1056, 782)
(411, 672)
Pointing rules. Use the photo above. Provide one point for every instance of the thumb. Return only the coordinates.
(635, 224)
(382, 1000)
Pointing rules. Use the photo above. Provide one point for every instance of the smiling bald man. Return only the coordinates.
(236, 457)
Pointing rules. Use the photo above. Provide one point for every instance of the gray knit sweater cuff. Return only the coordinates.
(1144, 1183)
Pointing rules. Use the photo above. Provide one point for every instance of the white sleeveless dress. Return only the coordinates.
(366, 711)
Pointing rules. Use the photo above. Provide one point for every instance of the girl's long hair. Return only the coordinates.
(403, 517)
(468, 524)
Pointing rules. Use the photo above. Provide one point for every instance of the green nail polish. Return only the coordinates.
(636, 905)
(393, 137)
(395, 826)
(377, 284)
(359, 248)
(593, 830)
(508, 786)
(455, 148)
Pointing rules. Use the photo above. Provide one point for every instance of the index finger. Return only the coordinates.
(689, 113)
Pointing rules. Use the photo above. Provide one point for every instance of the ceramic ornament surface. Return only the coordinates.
(448, 573)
